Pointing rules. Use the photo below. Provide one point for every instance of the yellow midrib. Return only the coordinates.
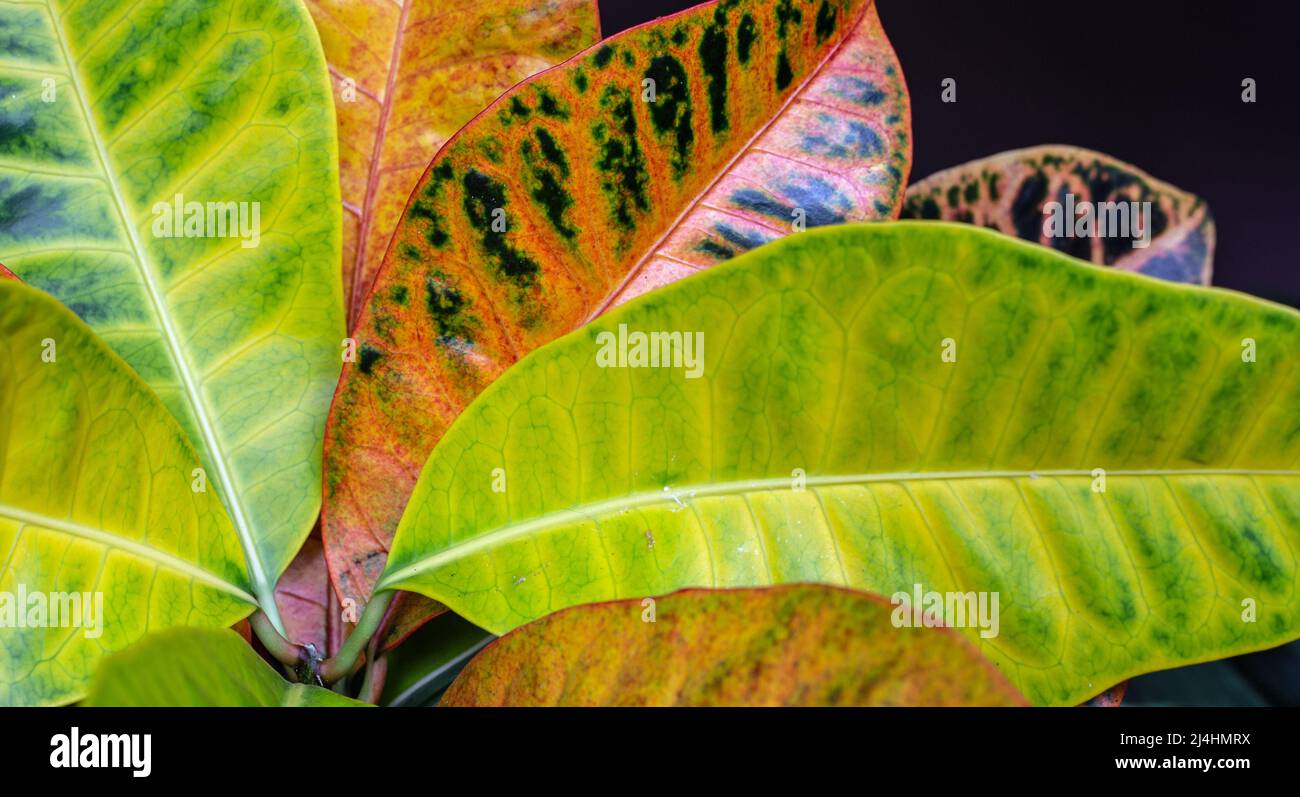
(223, 481)
(133, 547)
(624, 503)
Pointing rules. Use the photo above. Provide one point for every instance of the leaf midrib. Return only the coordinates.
(646, 256)
(134, 547)
(502, 534)
(357, 300)
(194, 397)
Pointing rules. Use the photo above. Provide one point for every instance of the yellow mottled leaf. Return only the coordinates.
(169, 171)
(99, 514)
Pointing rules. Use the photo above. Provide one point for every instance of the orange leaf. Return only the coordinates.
(406, 77)
(669, 148)
(800, 644)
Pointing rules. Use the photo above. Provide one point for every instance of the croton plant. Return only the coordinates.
(323, 322)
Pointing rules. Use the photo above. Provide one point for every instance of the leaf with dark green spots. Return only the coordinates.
(169, 171)
(897, 407)
(574, 192)
(104, 537)
(209, 667)
(797, 645)
(420, 70)
(1011, 192)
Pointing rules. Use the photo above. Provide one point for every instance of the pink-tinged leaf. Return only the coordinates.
(1008, 192)
(306, 602)
(409, 612)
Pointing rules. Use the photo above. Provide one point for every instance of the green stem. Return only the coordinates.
(284, 651)
(266, 599)
(342, 664)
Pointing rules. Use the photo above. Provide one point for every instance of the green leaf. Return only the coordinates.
(425, 663)
(823, 369)
(661, 151)
(1009, 192)
(795, 645)
(96, 501)
(114, 110)
(199, 667)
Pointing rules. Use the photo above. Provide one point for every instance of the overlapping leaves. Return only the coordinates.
(888, 406)
(105, 537)
(199, 667)
(169, 172)
(406, 77)
(662, 151)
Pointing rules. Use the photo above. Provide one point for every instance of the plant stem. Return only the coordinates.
(372, 686)
(266, 600)
(284, 651)
(342, 664)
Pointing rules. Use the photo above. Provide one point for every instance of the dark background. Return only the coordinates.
(1156, 84)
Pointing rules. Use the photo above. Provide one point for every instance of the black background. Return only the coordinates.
(324, 751)
(1156, 84)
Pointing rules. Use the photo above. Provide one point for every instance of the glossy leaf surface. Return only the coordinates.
(210, 667)
(1008, 192)
(425, 664)
(104, 538)
(829, 438)
(406, 77)
(796, 645)
(112, 115)
(574, 192)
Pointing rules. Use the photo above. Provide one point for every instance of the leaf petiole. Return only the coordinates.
(341, 664)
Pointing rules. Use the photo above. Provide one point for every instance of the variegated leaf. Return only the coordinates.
(406, 77)
(1009, 191)
(663, 151)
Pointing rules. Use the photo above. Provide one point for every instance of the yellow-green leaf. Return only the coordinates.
(795, 645)
(891, 405)
(199, 667)
(98, 515)
(114, 114)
